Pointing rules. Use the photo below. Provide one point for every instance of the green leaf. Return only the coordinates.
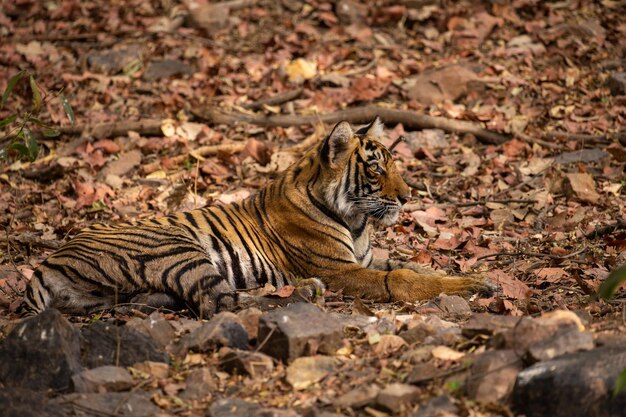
(8, 120)
(20, 148)
(612, 283)
(31, 144)
(620, 383)
(36, 94)
(51, 132)
(68, 109)
(10, 86)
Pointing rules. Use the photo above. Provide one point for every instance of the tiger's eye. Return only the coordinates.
(375, 168)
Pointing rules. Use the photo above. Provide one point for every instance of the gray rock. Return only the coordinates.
(156, 327)
(306, 371)
(113, 61)
(358, 397)
(199, 384)
(245, 362)
(454, 307)
(442, 406)
(41, 353)
(250, 320)
(418, 333)
(567, 340)
(487, 324)
(134, 404)
(574, 385)
(492, 376)
(18, 402)
(526, 333)
(397, 397)
(297, 330)
(108, 344)
(425, 372)
(234, 407)
(224, 329)
(103, 379)
(166, 68)
(617, 83)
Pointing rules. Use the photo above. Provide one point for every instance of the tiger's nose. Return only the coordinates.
(403, 199)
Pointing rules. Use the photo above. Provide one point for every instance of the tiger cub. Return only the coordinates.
(313, 221)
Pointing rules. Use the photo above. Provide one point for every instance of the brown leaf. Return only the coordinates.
(511, 286)
(582, 186)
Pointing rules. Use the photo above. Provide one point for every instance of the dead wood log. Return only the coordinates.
(275, 100)
(107, 130)
(357, 115)
(197, 153)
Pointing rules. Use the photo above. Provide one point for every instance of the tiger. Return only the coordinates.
(313, 222)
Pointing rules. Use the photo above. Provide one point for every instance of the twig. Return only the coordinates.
(356, 115)
(606, 229)
(507, 201)
(28, 239)
(275, 100)
(396, 142)
(106, 130)
(526, 138)
(592, 139)
(544, 255)
(201, 151)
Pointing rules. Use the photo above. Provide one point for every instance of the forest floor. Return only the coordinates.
(538, 207)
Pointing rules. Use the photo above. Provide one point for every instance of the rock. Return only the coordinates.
(447, 83)
(166, 68)
(299, 329)
(573, 385)
(244, 362)
(18, 402)
(200, 383)
(154, 326)
(250, 320)
(234, 407)
(397, 397)
(442, 406)
(156, 369)
(418, 333)
(127, 404)
(358, 397)
(224, 329)
(617, 83)
(568, 340)
(454, 307)
(209, 17)
(425, 372)
(103, 379)
(492, 376)
(527, 332)
(101, 343)
(487, 324)
(113, 61)
(41, 353)
(306, 371)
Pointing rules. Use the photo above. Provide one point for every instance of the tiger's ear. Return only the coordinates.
(337, 142)
(375, 129)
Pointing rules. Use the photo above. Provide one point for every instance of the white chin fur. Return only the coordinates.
(391, 218)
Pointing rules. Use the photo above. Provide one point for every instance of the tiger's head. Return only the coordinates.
(359, 174)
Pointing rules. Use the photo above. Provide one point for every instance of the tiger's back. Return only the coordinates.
(313, 221)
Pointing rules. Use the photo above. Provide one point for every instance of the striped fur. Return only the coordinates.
(313, 221)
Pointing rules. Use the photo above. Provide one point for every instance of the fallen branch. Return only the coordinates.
(537, 254)
(32, 240)
(199, 152)
(529, 139)
(275, 100)
(106, 130)
(357, 115)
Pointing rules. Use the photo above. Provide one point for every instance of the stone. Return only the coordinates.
(528, 332)
(357, 398)
(454, 307)
(306, 371)
(155, 369)
(114, 61)
(567, 340)
(397, 397)
(243, 362)
(442, 406)
(165, 68)
(617, 83)
(492, 376)
(108, 344)
(250, 320)
(103, 379)
(224, 329)
(487, 324)
(573, 385)
(199, 384)
(154, 326)
(425, 372)
(125, 404)
(19, 402)
(299, 329)
(209, 17)
(418, 333)
(41, 353)
(234, 407)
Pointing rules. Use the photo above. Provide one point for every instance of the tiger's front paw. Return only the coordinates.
(406, 285)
